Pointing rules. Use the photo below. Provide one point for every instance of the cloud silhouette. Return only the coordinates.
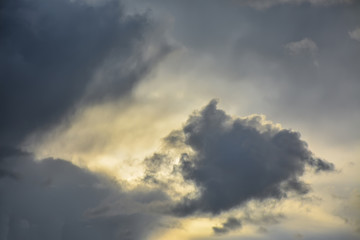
(236, 160)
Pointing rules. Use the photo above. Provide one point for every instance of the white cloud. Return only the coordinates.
(305, 45)
(355, 34)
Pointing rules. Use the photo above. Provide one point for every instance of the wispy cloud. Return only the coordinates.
(304, 46)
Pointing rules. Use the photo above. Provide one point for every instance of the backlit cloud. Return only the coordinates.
(234, 160)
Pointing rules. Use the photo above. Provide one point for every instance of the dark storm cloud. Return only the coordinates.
(57, 55)
(53, 199)
(238, 160)
(57, 52)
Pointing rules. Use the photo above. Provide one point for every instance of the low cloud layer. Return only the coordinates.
(236, 160)
(53, 199)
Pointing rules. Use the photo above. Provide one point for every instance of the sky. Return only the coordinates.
(179, 120)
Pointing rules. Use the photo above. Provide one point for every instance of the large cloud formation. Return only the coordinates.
(54, 199)
(55, 53)
(235, 160)
(55, 56)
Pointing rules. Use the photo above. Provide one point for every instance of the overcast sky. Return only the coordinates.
(179, 120)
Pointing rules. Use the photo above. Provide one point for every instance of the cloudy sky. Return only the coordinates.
(179, 120)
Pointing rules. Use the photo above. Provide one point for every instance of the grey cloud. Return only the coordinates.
(263, 219)
(55, 53)
(305, 45)
(230, 224)
(355, 34)
(233, 223)
(258, 218)
(155, 162)
(153, 165)
(268, 3)
(235, 161)
(175, 139)
(320, 165)
(53, 199)
(303, 90)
